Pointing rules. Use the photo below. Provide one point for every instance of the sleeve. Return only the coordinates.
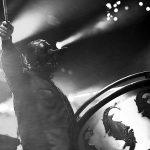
(12, 65)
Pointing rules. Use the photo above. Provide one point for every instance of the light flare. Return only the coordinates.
(118, 2)
(59, 45)
(71, 39)
(115, 5)
(116, 10)
(33, 19)
(147, 8)
(104, 24)
(140, 3)
(77, 99)
(26, 26)
(108, 5)
(100, 26)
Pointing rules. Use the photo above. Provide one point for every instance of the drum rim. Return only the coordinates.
(78, 123)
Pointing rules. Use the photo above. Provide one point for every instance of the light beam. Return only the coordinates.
(87, 31)
(105, 23)
(33, 19)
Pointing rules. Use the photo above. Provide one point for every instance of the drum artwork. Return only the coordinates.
(116, 119)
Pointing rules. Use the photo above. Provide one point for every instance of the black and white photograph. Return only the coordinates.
(75, 75)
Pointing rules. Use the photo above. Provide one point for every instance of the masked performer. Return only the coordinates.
(43, 111)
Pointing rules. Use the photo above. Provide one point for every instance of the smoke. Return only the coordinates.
(33, 19)
(8, 120)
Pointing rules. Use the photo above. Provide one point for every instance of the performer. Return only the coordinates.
(43, 111)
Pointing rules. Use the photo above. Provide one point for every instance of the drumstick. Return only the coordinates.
(5, 10)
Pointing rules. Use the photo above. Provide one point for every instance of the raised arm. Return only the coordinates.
(11, 58)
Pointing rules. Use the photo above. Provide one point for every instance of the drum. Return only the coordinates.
(116, 118)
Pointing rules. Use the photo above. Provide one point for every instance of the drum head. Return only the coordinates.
(123, 123)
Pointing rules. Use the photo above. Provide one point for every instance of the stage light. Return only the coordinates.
(141, 3)
(69, 40)
(103, 24)
(116, 10)
(126, 8)
(59, 45)
(71, 98)
(115, 5)
(26, 26)
(147, 8)
(115, 18)
(87, 31)
(108, 14)
(109, 5)
(118, 2)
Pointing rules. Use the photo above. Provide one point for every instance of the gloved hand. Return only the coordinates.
(6, 30)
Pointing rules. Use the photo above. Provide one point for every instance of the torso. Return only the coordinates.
(43, 113)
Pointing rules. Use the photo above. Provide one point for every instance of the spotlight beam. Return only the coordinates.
(89, 30)
(33, 19)
(105, 23)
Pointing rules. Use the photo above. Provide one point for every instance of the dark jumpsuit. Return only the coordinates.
(42, 110)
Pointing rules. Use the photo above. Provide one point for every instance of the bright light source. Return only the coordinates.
(115, 5)
(69, 40)
(141, 3)
(118, 2)
(100, 25)
(59, 45)
(147, 8)
(109, 5)
(71, 98)
(116, 10)
(126, 8)
(86, 32)
(115, 18)
(108, 14)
